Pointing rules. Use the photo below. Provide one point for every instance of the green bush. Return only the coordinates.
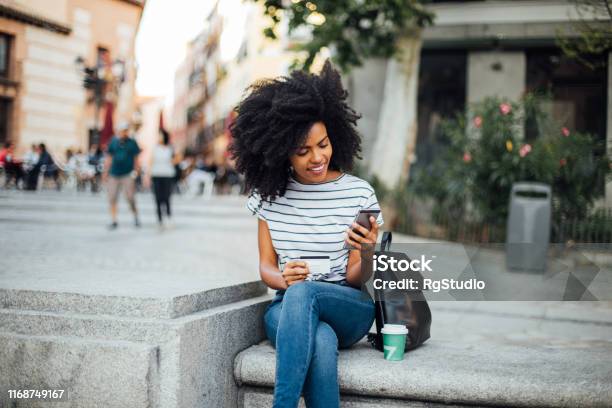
(485, 152)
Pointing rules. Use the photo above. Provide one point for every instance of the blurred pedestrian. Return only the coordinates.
(30, 158)
(33, 172)
(47, 166)
(121, 168)
(13, 169)
(96, 161)
(162, 173)
(79, 168)
(203, 176)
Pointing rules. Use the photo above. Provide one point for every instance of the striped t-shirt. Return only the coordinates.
(311, 219)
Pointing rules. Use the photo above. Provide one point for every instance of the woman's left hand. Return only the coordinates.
(368, 237)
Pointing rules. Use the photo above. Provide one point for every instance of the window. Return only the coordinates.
(5, 119)
(5, 48)
(102, 57)
(442, 94)
(578, 92)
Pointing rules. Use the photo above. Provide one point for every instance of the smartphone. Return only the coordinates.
(363, 219)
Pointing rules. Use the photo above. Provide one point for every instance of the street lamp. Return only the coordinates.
(97, 78)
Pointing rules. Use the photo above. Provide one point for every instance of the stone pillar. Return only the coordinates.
(608, 200)
(397, 125)
(366, 88)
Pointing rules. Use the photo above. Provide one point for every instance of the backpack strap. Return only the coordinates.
(385, 242)
(375, 339)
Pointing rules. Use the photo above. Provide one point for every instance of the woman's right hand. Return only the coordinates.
(295, 272)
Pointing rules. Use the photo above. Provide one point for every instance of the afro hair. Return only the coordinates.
(274, 119)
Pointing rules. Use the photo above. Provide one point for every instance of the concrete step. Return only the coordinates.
(510, 354)
(454, 372)
(257, 397)
(169, 307)
(121, 373)
(118, 362)
(109, 327)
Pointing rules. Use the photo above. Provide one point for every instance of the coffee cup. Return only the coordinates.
(394, 341)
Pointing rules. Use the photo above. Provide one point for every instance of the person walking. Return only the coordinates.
(162, 173)
(96, 162)
(120, 170)
(49, 168)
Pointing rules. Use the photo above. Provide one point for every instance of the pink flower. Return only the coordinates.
(478, 122)
(467, 157)
(524, 150)
(565, 131)
(505, 108)
(562, 162)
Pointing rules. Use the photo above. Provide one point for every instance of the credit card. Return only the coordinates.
(317, 265)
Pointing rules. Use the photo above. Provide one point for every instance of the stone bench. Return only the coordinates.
(444, 372)
(120, 351)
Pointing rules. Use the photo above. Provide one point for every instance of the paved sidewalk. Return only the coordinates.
(58, 243)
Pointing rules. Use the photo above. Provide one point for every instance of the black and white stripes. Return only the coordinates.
(311, 219)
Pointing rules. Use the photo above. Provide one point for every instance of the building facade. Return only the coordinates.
(478, 49)
(217, 81)
(195, 83)
(45, 45)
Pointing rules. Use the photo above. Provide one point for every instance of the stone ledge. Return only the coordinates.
(255, 397)
(449, 372)
(141, 307)
(83, 368)
(111, 328)
(169, 361)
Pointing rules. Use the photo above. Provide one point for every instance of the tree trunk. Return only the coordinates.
(397, 124)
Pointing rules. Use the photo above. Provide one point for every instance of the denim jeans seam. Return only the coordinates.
(316, 296)
(304, 369)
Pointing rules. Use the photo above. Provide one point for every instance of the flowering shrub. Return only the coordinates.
(481, 161)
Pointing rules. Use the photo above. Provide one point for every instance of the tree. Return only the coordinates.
(592, 31)
(355, 30)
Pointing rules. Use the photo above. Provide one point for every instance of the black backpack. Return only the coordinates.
(409, 308)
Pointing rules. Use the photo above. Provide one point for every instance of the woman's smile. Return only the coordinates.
(318, 170)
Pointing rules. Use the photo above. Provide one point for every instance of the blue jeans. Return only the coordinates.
(307, 324)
